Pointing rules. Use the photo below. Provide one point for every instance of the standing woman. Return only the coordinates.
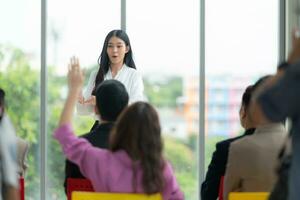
(115, 62)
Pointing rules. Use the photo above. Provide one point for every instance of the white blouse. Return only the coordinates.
(131, 79)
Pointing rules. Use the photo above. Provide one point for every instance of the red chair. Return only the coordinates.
(22, 188)
(78, 184)
(221, 188)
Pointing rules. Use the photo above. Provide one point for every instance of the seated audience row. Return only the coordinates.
(248, 161)
(252, 162)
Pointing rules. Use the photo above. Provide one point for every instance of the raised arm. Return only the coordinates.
(75, 82)
(77, 150)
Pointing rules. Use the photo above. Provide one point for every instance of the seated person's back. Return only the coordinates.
(111, 98)
(8, 155)
(217, 166)
(252, 159)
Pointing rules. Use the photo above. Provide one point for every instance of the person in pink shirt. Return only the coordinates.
(134, 162)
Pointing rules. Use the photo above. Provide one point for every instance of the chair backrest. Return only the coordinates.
(221, 188)
(248, 195)
(78, 184)
(22, 188)
(113, 196)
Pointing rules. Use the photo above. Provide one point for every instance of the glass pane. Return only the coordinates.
(20, 78)
(74, 28)
(165, 41)
(241, 46)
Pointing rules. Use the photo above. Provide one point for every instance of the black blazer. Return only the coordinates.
(217, 167)
(98, 137)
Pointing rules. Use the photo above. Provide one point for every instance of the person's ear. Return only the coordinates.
(127, 48)
(96, 110)
(243, 112)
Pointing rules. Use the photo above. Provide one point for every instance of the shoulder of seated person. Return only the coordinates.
(225, 143)
(22, 144)
(85, 135)
(242, 142)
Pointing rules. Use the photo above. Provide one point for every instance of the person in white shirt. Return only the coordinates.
(115, 62)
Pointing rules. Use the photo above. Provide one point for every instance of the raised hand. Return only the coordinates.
(75, 82)
(295, 53)
(75, 75)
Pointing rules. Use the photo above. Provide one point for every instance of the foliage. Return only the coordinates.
(184, 163)
(163, 93)
(22, 96)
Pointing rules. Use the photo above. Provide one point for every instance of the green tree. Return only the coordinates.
(184, 164)
(163, 93)
(21, 84)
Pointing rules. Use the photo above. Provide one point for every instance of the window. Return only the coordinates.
(239, 50)
(20, 78)
(74, 28)
(165, 41)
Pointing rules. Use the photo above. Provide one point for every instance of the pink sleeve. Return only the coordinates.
(91, 160)
(171, 190)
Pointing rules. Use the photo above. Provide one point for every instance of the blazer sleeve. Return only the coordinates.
(23, 148)
(216, 168)
(232, 179)
(87, 93)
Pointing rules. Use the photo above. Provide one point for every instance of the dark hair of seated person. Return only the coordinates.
(111, 98)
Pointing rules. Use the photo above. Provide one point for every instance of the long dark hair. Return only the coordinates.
(138, 132)
(103, 60)
(2, 103)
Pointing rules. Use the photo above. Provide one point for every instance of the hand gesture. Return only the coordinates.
(90, 101)
(295, 53)
(75, 75)
(80, 98)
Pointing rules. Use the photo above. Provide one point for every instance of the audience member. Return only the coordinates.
(217, 166)
(8, 156)
(278, 99)
(252, 159)
(21, 144)
(111, 99)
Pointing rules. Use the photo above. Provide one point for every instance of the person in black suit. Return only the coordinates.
(217, 166)
(111, 99)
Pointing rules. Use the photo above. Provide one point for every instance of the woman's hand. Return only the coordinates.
(75, 75)
(295, 53)
(75, 82)
(90, 101)
(80, 98)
